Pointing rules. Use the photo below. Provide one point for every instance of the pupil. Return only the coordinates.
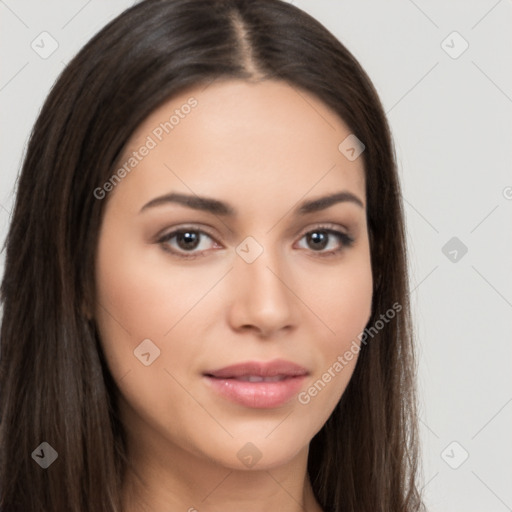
(319, 239)
(188, 240)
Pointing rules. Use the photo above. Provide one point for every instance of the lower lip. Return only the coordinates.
(261, 395)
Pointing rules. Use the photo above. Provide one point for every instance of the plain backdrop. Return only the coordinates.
(442, 70)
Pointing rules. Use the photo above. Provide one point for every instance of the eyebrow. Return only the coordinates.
(217, 207)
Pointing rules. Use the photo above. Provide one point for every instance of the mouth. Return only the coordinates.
(257, 385)
(254, 378)
(278, 368)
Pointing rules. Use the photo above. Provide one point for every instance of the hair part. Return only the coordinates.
(55, 386)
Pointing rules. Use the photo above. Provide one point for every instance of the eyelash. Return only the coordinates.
(345, 240)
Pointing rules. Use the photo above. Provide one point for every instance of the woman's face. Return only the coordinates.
(257, 274)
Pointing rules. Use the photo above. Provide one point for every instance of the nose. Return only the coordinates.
(263, 299)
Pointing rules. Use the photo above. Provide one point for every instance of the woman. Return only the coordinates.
(205, 293)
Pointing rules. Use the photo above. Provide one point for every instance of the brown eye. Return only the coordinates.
(187, 240)
(327, 238)
(318, 240)
(184, 242)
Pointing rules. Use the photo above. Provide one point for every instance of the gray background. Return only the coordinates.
(450, 113)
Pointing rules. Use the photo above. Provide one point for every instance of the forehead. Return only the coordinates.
(265, 140)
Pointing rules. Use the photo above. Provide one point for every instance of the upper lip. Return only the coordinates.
(260, 369)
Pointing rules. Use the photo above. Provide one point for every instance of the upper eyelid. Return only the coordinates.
(191, 227)
(319, 225)
(328, 226)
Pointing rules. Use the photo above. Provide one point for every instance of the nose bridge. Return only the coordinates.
(263, 299)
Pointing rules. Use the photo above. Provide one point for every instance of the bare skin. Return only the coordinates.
(262, 148)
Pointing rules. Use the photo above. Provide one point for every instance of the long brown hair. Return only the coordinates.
(54, 383)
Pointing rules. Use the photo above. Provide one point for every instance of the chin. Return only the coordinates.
(258, 453)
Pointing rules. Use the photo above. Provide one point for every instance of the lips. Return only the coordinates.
(258, 385)
(270, 371)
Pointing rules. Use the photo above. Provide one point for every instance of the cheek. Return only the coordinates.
(138, 301)
(343, 302)
(140, 294)
(130, 303)
(341, 297)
